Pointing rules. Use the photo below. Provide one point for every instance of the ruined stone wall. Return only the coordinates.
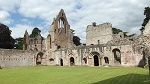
(62, 36)
(147, 29)
(66, 55)
(16, 58)
(98, 34)
(37, 44)
(128, 56)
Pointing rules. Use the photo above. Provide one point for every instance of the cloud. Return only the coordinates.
(9, 5)
(5, 17)
(19, 29)
(4, 14)
(45, 9)
(124, 14)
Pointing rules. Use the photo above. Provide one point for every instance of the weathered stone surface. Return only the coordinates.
(99, 34)
(102, 48)
(15, 58)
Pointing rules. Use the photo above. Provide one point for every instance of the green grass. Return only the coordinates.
(74, 75)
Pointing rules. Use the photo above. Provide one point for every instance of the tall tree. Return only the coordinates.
(147, 14)
(6, 41)
(116, 31)
(76, 40)
(19, 43)
(35, 32)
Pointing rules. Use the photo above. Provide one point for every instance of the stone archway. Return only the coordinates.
(39, 58)
(96, 60)
(72, 61)
(61, 62)
(117, 56)
(106, 60)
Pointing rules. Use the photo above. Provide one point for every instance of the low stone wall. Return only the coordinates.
(16, 58)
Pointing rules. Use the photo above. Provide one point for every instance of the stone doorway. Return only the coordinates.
(61, 62)
(106, 60)
(96, 60)
(117, 56)
(72, 61)
(39, 58)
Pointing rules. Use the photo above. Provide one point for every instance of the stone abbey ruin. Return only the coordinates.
(103, 47)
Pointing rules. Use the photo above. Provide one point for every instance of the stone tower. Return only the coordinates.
(98, 34)
(60, 34)
(33, 43)
(26, 41)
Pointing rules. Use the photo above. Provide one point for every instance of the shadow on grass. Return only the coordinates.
(127, 79)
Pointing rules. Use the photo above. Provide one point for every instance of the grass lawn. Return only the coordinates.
(74, 75)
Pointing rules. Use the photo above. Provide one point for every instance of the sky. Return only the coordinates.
(21, 15)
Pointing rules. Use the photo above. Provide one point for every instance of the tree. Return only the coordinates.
(147, 14)
(6, 41)
(35, 32)
(116, 31)
(19, 43)
(76, 40)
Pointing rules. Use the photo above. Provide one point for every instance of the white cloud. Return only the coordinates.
(19, 29)
(9, 5)
(4, 14)
(45, 9)
(4, 17)
(124, 14)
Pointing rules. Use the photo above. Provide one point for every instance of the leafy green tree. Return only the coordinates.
(116, 31)
(35, 32)
(19, 43)
(6, 41)
(147, 14)
(76, 40)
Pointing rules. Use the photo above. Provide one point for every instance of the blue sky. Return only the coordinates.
(21, 15)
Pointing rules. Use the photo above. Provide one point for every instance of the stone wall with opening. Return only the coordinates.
(99, 55)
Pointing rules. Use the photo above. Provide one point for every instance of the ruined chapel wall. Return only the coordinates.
(128, 56)
(16, 58)
(66, 55)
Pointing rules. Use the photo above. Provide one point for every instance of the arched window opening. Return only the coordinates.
(72, 61)
(117, 56)
(106, 60)
(39, 58)
(61, 23)
(96, 60)
(61, 62)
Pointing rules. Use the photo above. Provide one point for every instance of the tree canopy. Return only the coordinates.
(76, 40)
(19, 43)
(116, 31)
(147, 14)
(35, 32)
(6, 41)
